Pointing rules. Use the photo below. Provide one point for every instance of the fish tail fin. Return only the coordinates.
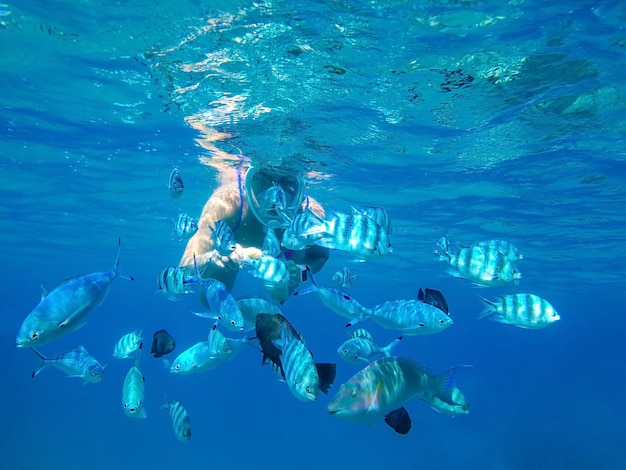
(137, 356)
(116, 266)
(363, 315)
(490, 307)
(166, 406)
(387, 349)
(448, 383)
(307, 275)
(42, 365)
(326, 373)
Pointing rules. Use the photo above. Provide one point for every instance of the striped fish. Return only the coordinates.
(186, 226)
(338, 301)
(356, 233)
(303, 230)
(175, 183)
(67, 306)
(209, 354)
(362, 348)
(344, 277)
(128, 344)
(271, 244)
(133, 392)
(74, 363)
(411, 317)
(523, 310)
(172, 282)
(378, 215)
(301, 373)
(269, 269)
(180, 419)
(223, 238)
(222, 305)
(483, 265)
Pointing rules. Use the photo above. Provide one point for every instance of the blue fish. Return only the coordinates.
(67, 306)
(223, 238)
(186, 226)
(74, 363)
(175, 184)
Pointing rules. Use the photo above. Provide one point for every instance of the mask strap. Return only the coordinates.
(238, 166)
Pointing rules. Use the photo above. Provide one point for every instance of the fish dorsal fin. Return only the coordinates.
(44, 292)
(362, 333)
(81, 349)
(326, 373)
(217, 341)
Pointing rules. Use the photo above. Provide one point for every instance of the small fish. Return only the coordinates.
(411, 317)
(435, 298)
(355, 233)
(175, 183)
(172, 282)
(523, 310)
(180, 419)
(74, 363)
(483, 265)
(223, 238)
(186, 226)
(128, 344)
(251, 306)
(362, 348)
(509, 250)
(133, 393)
(338, 301)
(399, 420)
(303, 376)
(67, 306)
(162, 343)
(344, 277)
(209, 354)
(269, 269)
(303, 230)
(385, 385)
(271, 244)
(222, 306)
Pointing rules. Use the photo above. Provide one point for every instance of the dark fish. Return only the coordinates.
(399, 420)
(267, 331)
(162, 343)
(435, 298)
(175, 184)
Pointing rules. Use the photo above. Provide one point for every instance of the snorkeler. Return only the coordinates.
(249, 209)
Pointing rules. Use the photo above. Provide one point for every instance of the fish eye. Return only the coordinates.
(353, 394)
(345, 351)
(139, 403)
(125, 405)
(177, 367)
(441, 321)
(421, 325)
(34, 335)
(308, 390)
(233, 322)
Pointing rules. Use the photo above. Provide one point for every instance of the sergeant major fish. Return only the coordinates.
(344, 277)
(128, 344)
(180, 419)
(523, 310)
(509, 250)
(74, 363)
(362, 348)
(133, 392)
(67, 306)
(268, 330)
(173, 281)
(223, 238)
(186, 226)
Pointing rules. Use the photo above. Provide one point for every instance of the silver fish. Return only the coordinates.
(180, 419)
(67, 306)
(74, 363)
(411, 317)
(223, 238)
(175, 183)
(360, 347)
(172, 281)
(385, 385)
(186, 226)
(523, 310)
(133, 392)
(128, 344)
(251, 306)
(344, 277)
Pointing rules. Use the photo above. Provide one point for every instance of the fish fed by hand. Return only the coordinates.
(344, 277)
(180, 419)
(223, 238)
(66, 307)
(385, 385)
(175, 183)
(172, 282)
(209, 354)
(75, 363)
(483, 265)
(186, 226)
(411, 317)
(361, 348)
(128, 344)
(133, 392)
(522, 310)
(303, 376)
(162, 343)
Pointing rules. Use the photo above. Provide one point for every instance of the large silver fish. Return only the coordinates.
(75, 363)
(523, 310)
(180, 419)
(411, 317)
(385, 385)
(128, 344)
(133, 393)
(360, 348)
(66, 307)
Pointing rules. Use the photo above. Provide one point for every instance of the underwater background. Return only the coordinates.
(476, 119)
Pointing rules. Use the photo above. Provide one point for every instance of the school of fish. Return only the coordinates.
(376, 393)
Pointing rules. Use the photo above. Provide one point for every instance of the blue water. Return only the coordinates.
(479, 119)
